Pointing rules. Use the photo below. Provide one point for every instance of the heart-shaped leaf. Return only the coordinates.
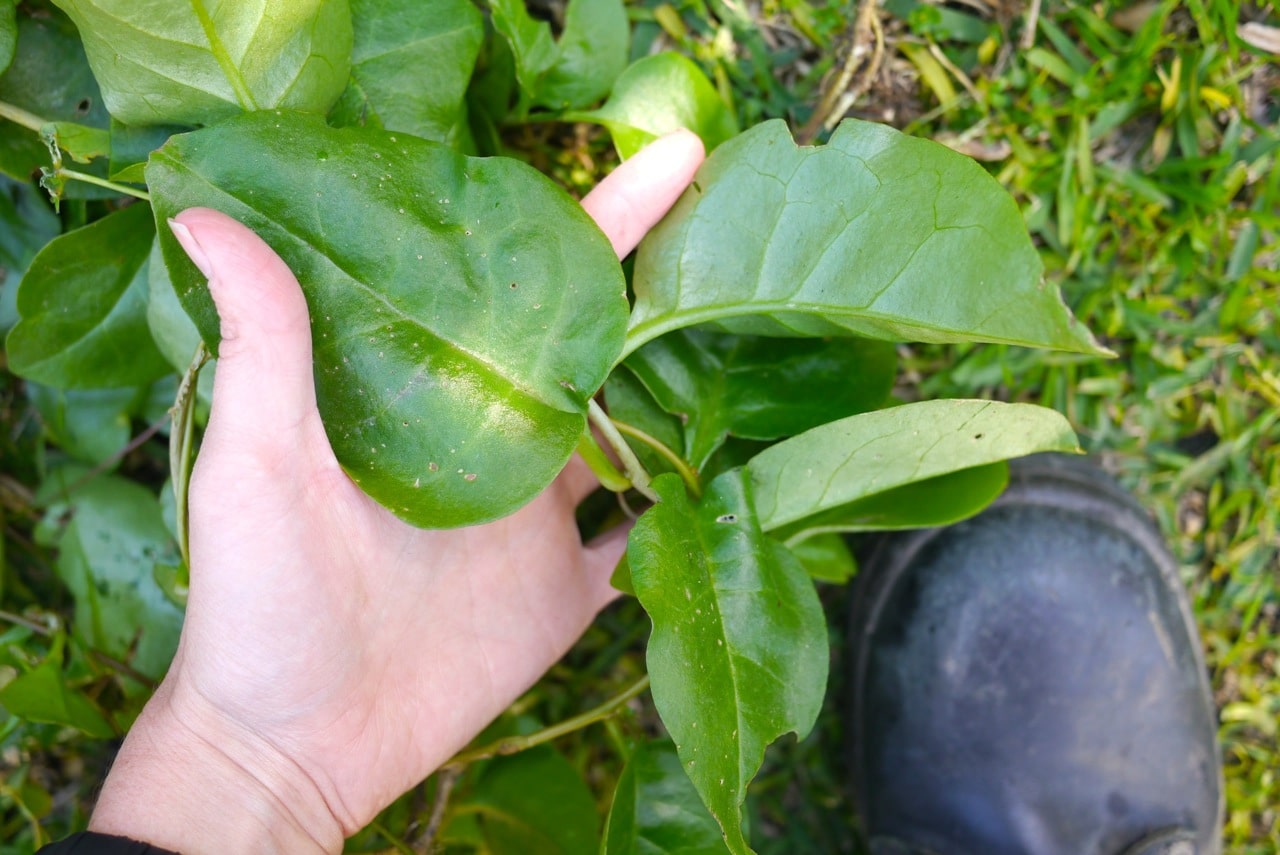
(463, 310)
(410, 66)
(656, 810)
(161, 62)
(758, 387)
(876, 234)
(660, 94)
(738, 654)
(830, 468)
(83, 308)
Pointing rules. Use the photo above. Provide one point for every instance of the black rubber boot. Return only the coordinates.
(1030, 681)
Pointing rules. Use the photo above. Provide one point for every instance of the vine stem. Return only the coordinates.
(686, 472)
(516, 744)
(122, 189)
(630, 463)
(16, 114)
(181, 439)
(608, 475)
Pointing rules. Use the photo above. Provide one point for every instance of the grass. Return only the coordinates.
(1141, 142)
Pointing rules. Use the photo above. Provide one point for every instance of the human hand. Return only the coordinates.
(332, 655)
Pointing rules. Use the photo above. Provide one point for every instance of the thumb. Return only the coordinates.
(264, 386)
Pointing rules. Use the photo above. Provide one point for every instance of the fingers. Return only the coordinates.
(602, 556)
(264, 386)
(637, 194)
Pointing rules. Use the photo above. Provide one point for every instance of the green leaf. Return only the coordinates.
(738, 654)
(826, 557)
(83, 308)
(592, 52)
(81, 143)
(847, 461)
(534, 803)
(160, 62)
(656, 810)
(50, 79)
(42, 695)
(660, 94)
(578, 70)
(90, 425)
(410, 66)
(130, 147)
(876, 234)
(463, 310)
(938, 501)
(8, 32)
(756, 387)
(171, 327)
(107, 556)
(27, 223)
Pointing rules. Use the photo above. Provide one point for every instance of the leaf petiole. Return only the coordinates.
(516, 744)
(610, 478)
(630, 463)
(677, 462)
(19, 116)
(181, 440)
(123, 189)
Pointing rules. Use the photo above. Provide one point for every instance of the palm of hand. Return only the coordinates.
(344, 634)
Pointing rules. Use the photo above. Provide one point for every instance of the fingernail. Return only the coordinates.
(192, 247)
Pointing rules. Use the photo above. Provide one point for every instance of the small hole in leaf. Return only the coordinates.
(85, 105)
(513, 285)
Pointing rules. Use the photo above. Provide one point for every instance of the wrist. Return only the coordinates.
(195, 786)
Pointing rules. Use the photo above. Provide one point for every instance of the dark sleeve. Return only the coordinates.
(91, 843)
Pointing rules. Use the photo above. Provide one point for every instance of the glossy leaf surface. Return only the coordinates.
(758, 387)
(660, 94)
(876, 234)
(835, 465)
(656, 810)
(107, 556)
(410, 65)
(577, 70)
(463, 310)
(83, 308)
(535, 803)
(160, 62)
(937, 501)
(738, 654)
